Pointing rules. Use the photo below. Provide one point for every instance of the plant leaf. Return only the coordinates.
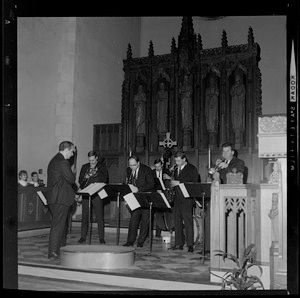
(248, 249)
(233, 258)
(259, 267)
(219, 251)
(248, 284)
(255, 279)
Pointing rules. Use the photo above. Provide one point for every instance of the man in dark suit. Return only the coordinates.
(160, 185)
(228, 162)
(91, 172)
(141, 177)
(183, 207)
(60, 196)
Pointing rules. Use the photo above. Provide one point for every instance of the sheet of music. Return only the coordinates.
(102, 194)
(133, 188)
(132, 201)
(162, 184)
(165, 199)
(184, 190)
(92, 188)
(42, 197)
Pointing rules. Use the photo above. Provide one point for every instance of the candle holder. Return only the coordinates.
(209, 175)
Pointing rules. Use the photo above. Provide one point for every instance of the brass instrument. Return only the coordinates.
(173, 169)
(216, 168)
(90, 172)
(169, 191)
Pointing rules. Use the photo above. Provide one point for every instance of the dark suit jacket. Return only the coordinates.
(157, 184)
(145, 179)
(102, 174)
(59, 181)
(188, 174)
(234, 163)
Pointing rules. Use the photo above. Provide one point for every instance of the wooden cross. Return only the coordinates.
(167, 142)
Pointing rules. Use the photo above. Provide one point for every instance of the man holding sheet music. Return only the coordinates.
(60, 196)
(141, 177)
(160, 185)
(183, 207)
(91, 172)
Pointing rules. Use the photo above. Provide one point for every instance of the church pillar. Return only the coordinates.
(238, 139)
(187, 137)
(212, 140)
(140, 142)
(65, 126)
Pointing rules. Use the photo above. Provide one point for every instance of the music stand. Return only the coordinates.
(148, 200)
(117, 190)
(197, 190)
(90, 190)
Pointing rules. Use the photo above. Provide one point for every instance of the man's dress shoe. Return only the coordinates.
(81, 240)
(128, 244)
(53, 256)
(190, 249)
(176, 247)
(102, 241)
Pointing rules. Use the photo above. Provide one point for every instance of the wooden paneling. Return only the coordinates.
(32, 213)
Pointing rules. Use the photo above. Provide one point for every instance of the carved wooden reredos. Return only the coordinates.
(195, 116)
(190, 93)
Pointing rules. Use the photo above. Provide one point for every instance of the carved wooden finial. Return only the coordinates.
(151, 50)
(224, 39)
(199, 42)
(250, 36)
(186, 38)
(173, 46)
(129, 52)
(235, 177)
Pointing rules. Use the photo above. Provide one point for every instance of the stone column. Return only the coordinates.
(65, 124)
(273, 200)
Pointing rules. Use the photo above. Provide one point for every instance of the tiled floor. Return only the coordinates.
(160, 263)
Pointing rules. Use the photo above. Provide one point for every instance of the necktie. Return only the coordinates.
(179, 171)
(134, 178)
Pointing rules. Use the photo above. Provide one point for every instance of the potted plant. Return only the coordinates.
(238, 278)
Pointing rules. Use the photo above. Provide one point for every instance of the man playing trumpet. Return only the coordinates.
(228, 164)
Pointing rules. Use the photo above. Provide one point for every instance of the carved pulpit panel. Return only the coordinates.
(234, 178)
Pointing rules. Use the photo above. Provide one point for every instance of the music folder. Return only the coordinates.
(92, 188)
(143, 199)
(113, 189)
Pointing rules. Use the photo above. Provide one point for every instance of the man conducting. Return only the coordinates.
(60, 196)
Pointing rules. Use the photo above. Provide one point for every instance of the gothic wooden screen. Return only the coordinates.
(203, 97)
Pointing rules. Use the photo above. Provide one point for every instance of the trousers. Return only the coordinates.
(139, 217)
(98, 207)
(183, 219)
(58, 229)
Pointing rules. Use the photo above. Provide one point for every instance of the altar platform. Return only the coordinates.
(161, 270)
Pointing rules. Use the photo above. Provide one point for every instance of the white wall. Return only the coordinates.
(101, 46)
(269, 32)
(38, 56)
